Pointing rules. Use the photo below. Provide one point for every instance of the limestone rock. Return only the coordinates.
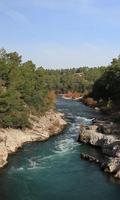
(108, 140)
(3, 154)
(90, 158)
(112, 166)
(117, 175)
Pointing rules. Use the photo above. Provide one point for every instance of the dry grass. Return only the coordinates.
(73, 95)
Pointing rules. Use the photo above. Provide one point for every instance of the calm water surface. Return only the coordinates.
(53, 170)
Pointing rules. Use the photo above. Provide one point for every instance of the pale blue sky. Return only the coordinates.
(61, 33)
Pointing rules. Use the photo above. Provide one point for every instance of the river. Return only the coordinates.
(53, 170)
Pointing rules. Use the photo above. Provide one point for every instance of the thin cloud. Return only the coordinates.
(13, 14)
(55, 4)
(93, 8)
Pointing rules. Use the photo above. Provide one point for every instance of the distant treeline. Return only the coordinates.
(101, 83)
(72, 80)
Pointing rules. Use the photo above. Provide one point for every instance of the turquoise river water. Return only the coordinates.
(53, 170)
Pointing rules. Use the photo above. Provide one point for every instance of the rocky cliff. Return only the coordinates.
(106, 136)
(50, 124)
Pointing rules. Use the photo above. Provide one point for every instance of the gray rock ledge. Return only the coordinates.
(106, 136)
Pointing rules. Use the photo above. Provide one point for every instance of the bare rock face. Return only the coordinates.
(109, 128)
(112, 166)
(112, 149)
(108, 140)
(50, 124)
(91, 136)
(3, 154)
(117, 175)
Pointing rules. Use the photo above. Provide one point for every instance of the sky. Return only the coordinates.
(61, 33)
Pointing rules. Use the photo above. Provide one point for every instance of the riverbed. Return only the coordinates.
(53, 170)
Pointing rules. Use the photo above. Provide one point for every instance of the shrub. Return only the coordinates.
(16, 120)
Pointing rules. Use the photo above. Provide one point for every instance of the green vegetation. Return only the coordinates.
(107, 88)
(22, 91)
(25, 89)
(73, 80)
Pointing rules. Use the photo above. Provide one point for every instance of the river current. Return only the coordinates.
(53, 170)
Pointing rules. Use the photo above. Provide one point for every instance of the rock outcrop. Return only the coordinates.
(90, 158)
(48, 125)
(106, 136)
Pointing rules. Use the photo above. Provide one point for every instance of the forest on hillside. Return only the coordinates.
(106, 89)
(26, 89)
(22, 91)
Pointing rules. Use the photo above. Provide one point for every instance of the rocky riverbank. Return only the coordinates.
(52, 123)
(106, 136)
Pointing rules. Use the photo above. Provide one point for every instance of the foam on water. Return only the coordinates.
(64, 146)
(14, 169)
(40, 162)
(34, 163)
(83, 120)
